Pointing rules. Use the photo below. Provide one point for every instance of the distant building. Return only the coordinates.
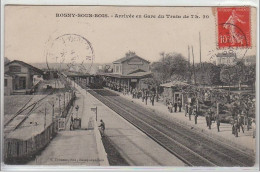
(8, 85)
(250, 60)
(22, 74)
(226, 58)
(128, 71)
(128, 65)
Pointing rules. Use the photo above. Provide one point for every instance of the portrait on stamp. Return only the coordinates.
(234, 27)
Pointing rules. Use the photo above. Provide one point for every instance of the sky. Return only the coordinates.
(31, 33)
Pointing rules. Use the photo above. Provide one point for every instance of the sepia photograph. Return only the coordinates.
(150, 86)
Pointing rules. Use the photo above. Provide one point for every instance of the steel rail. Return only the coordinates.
(33, 105)
(17, 113)
(190, 136)
(245, 160)
(179, 150)
(202, 135)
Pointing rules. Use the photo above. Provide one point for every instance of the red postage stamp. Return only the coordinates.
(234, 27)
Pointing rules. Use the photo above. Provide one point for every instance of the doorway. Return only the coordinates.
(22, 83)
(178, 96)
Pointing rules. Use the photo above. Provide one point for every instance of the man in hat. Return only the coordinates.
(210, 113)
(102, 127)
(186, 109)
(190, 111)
(218, 122)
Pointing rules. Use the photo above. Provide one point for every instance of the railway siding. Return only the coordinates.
(35, 124)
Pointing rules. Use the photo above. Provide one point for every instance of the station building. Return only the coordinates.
(23, 76)
(128, 72)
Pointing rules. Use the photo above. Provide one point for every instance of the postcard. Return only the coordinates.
(150, 86)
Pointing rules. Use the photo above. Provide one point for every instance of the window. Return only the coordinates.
(6, 83)
(15, 68)
(9, 148)
(117, 69)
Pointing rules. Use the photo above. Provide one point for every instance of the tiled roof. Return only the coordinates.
(133, 75)
(25, 64)
(140, 74)
(135, 71)
(128, 58)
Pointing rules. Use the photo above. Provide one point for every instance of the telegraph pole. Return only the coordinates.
(45, 116)
(96, 113)
(193, 66)
(200, 49)
(189, 72)
(64, 100)
(53, 112)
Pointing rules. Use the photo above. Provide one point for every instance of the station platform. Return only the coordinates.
(244, 141)
(133, 145)
(79, 146)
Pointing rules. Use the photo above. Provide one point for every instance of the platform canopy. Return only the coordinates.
(174, 83)
(137, 75)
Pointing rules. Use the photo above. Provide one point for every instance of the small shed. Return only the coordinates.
(172, 92)
(22, 74)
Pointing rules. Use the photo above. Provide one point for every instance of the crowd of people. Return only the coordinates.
(239, 107)
(145, 94)
(239, 110)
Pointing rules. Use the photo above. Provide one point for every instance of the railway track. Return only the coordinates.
(191, 147)
(23, 114)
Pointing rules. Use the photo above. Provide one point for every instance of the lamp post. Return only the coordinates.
(64, 100)
(45, 116)
(51, 102)
(59, 102)
(96, 113)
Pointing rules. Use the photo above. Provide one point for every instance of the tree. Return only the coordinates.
(208, 74)
(250, 75)
(130, 53)
(172, 66)
(240, 69)
(105, 68)
(228, 75)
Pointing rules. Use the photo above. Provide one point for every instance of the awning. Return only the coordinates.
(174, 83)
(137, 75)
